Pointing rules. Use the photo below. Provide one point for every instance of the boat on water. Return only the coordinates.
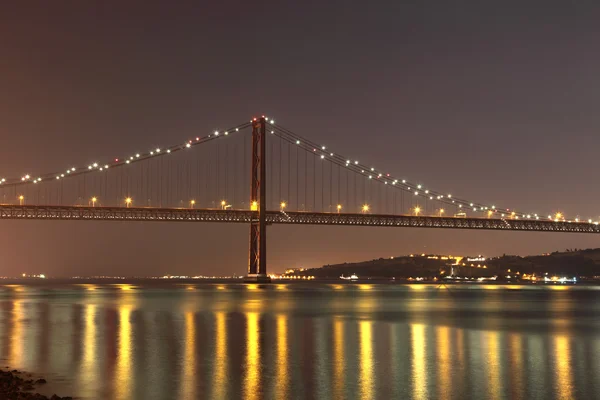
(352, 277)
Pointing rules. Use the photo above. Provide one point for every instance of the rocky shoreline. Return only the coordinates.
(18, 385)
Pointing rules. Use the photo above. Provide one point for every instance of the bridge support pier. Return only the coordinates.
(257, 262)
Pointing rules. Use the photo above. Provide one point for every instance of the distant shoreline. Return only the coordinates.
(149, 282)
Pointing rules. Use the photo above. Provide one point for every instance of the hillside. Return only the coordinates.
(570, 262)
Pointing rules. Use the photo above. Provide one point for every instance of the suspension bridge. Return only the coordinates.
(292, 180)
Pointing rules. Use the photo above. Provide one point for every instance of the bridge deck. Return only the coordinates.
(76, 213)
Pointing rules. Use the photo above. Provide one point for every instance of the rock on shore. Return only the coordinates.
(14, 387)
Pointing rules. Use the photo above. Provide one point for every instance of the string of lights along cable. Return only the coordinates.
(211, 171)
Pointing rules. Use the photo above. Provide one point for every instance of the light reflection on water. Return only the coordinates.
(337, 341)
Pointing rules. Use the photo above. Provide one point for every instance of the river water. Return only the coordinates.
(305, 341)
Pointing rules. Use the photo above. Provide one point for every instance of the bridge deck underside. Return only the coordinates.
(75, 213)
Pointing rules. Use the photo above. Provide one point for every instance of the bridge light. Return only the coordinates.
(418, 186)
(106, 166)
(355, 162)
(95, 165)
(188, 145)
(417, 210)
(254, 206)
(192, 202)
(558, 216)
(322, 156)
(490, 213)
(168, 151)
(460, 206)
(416, 193)
(158, 150)
(217, 132)
(282, 205)
(339, 207)
(126, 162)
(128, 201)
(449, 196)
(372, 169)
(403, 180)
(94, 199)
(441, 212)
(297, 142)
(323, 147)
(589, 221)
(21, 199)
(365, 208)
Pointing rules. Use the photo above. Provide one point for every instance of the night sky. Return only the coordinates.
(497, 103)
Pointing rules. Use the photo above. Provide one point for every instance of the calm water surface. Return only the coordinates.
(313, 341)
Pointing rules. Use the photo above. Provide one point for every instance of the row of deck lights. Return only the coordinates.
(365, 208)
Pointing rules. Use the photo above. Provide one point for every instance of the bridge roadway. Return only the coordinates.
(77, 213)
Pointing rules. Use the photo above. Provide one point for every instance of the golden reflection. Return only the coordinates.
(558, 287)
(190, 288)
(417, 286)
(282, 378)
(124, 376)
(459, 347)
(281, 286)
(16, 288)
(419, 375)
(124, 286)
(516, 360)
(16, 339)
(88, 367)
(491, 339)
(490, 287)
(338, 287)
(514, 287)
(221, 287)
(366, 359)
(188, 380)
(443, 362)
(338, 356)
(252, 378)
(364, 286)
(220, 372)
(252, 286)
(88, 286)
(564, 379)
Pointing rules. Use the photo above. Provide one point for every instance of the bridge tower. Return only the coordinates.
(257, 262)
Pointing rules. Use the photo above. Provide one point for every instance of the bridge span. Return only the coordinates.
(156, 214)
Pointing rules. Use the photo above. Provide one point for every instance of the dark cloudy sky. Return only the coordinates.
(493, 101)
